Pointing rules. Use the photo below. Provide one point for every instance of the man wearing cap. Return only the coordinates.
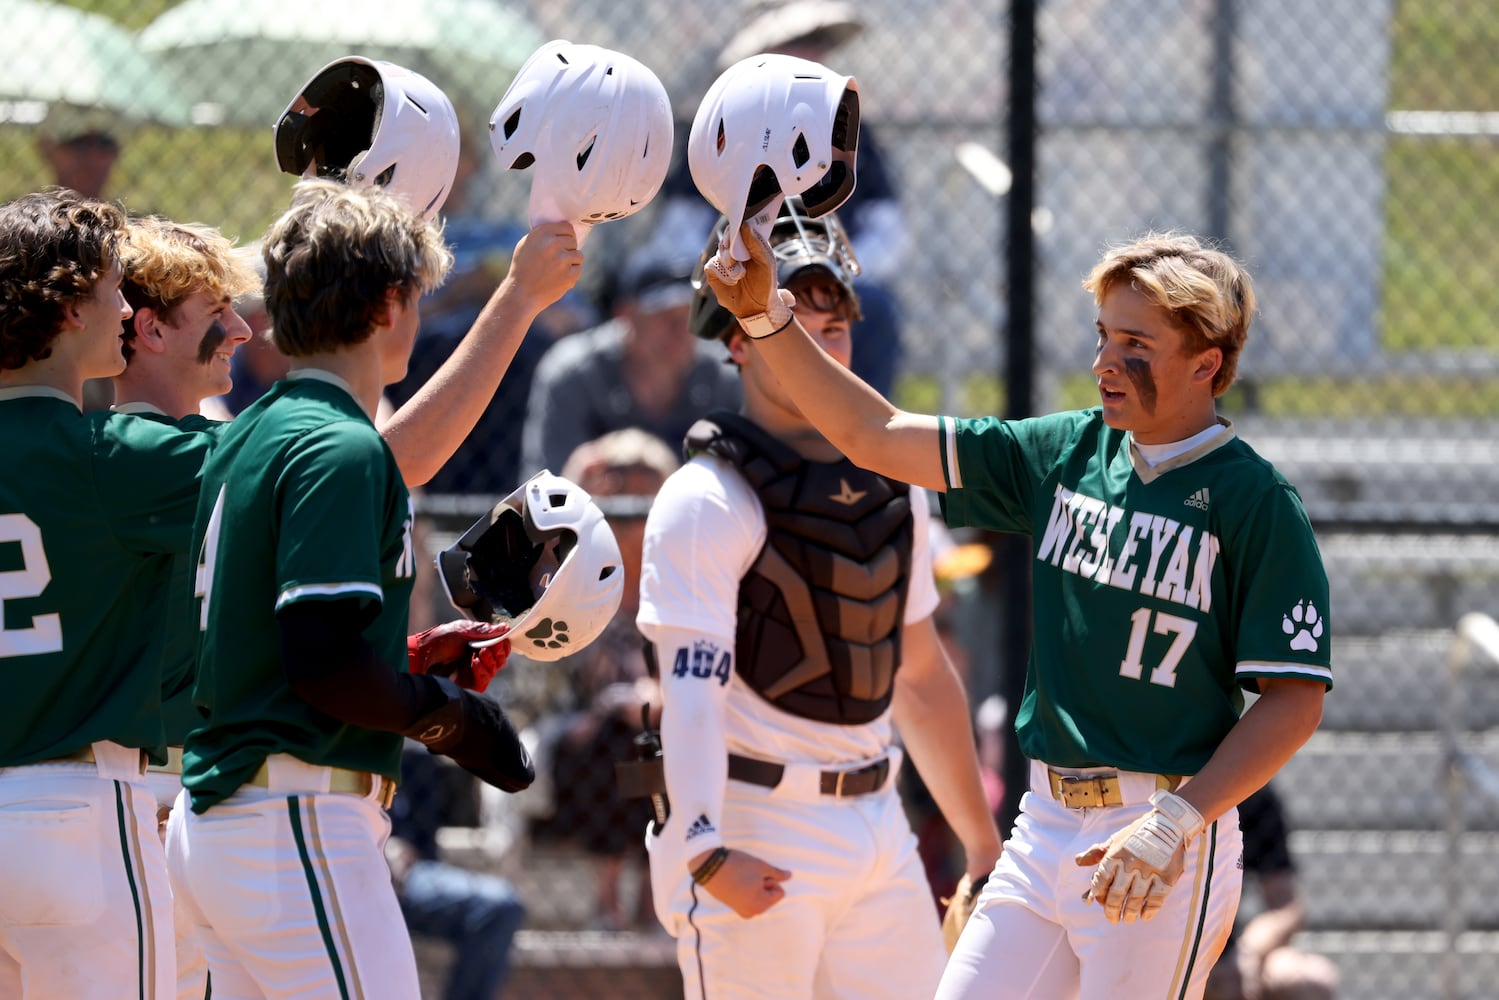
(80, 147)
(642, 368)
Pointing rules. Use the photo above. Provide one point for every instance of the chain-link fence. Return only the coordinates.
(1348, 150)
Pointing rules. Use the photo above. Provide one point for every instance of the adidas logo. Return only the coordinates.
(699, 827)
(1198, 499)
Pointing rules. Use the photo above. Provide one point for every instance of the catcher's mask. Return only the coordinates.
(545, 561)
(801, 244)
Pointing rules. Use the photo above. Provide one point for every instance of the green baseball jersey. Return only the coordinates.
(92, 510)
(301, 501)
(1158, 592)
(175, 644)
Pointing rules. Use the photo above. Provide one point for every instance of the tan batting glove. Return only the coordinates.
(1137, 866)
(748, 288)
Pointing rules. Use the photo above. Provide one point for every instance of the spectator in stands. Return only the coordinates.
(643, 368)
(80, 148)
(872, 216)
(611, 680)
(476, 912)
(1260, 962)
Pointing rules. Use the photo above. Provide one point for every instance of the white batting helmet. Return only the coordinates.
(543, 559)
(373, 122)
(597, 126)
(772, 126)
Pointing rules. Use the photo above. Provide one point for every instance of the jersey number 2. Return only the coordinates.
(1164, 673)
(45, 633)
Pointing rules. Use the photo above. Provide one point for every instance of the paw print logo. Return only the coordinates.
(549, 634)
(1304, 626)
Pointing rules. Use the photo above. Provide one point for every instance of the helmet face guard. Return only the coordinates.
(773, 126)
(365, 121)
(800, 244)
(543, 560)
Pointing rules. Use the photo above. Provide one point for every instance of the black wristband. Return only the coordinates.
(710, 865)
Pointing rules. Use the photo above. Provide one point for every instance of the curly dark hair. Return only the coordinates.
(54, 245)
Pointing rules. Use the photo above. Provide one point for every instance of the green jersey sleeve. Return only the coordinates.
(328, 542)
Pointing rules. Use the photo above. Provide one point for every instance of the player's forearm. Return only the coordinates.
(867, 428)
(424, 433)
(331, 666)
(931, 714)
(1275, 727)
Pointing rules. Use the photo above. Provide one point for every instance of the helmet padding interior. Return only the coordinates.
(347, 101)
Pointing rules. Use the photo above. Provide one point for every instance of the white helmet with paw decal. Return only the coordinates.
(544, 560)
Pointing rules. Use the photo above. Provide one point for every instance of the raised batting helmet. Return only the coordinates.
(543, 559)
(772, 126)
(597, 126)
(800, 243)
(372, 122)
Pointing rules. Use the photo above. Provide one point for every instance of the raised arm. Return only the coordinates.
(862, 424)
(426, 432)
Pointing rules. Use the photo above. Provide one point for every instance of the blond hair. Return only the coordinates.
(1204, 290)
(334, 255)
(166, 262)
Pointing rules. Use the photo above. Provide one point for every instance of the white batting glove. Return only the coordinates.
(748, 289)
(1137, 866)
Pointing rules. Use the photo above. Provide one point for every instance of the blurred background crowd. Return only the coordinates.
(1347, 150)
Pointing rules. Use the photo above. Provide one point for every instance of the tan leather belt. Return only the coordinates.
(86, 756)
(342, 780)
(173, 764)
(858, 781)
(1094, 791)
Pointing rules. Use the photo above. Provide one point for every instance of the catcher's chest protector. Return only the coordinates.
(821, 610)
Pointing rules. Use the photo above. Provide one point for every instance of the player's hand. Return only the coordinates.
(545, 266)
(747, 885)
(1136, 867)
(748, 289)
(450, 650)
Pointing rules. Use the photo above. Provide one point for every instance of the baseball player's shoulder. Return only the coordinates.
(704, 487)
(1254, 474)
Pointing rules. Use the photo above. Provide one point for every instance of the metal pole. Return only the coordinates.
(1013, 551)
(1223, 116)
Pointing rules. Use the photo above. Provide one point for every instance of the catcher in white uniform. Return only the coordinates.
(788, 596)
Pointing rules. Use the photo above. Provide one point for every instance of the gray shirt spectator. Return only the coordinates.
(643, 368)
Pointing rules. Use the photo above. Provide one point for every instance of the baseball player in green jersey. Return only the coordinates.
(181, 281)
(1173, 567)
(91, 509)
(305, 570)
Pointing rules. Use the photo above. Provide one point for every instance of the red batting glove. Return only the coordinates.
(448, 650)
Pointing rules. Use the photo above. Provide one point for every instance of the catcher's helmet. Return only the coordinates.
(596, 124)
(772, 126)
(800, 244)
(544, 560)
(373, 122)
